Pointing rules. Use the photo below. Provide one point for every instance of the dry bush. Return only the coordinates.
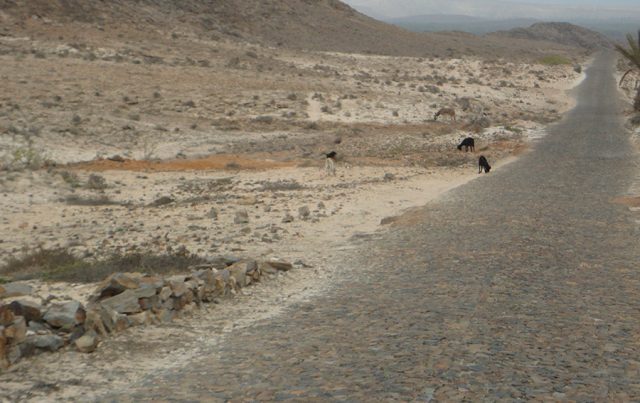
(61, 265)
(76, 200)
(280, 185)
(96, 182)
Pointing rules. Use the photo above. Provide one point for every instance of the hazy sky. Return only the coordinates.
(542, 9)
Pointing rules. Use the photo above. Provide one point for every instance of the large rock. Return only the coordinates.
(16, 289)
(165, 293)
(125, 302)
(178, 288)
(152, 282)
(240, 270)
(30, 310)
(115, 284)
(65, 316)
(145, 292)
(49, 342)
(88, 342)
(98, 320)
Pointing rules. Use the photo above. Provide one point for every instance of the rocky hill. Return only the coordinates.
(560, 33)
(326, 25)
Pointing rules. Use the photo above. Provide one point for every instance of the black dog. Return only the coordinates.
(483, 164)
(469, 144)
(331, 155)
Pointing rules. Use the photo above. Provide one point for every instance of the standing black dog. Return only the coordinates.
(469, 144)
(483, 164)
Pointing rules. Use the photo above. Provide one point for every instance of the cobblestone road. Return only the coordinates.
(524, 284)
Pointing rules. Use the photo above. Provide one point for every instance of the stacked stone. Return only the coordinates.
(119, 302)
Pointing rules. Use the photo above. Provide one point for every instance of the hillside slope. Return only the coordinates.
(325, 25)
(558, 32)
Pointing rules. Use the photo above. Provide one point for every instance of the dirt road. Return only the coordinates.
(521, 285)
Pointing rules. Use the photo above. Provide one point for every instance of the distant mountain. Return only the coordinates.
(560, 33)
(454, 22)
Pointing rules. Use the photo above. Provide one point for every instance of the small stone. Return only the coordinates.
(17, 332)
(162, 201)
(4, 352)
(242, 217)
(165, 316)
(141, 319)
(389, 176)
(87, 343)
(6, 315)
(213, 213)
(388, 220)
(287, 218)
(304, 212)
(280, 265)
(248, 201)
(116, 158)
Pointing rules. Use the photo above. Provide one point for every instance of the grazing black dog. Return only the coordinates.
(469, 144)
(483, 164)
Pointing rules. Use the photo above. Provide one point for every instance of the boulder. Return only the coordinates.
(145, 292)
(240, 270)
(15, 289)
(88, 342)
(152, 281)
(49, 342)
(178, 288)
(115, 284)
(165, 293)
(65, 316)
(125, 302)
(98, 320)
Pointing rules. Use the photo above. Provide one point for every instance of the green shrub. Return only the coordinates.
(554, 60)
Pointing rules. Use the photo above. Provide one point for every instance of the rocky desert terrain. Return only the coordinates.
(168, 146)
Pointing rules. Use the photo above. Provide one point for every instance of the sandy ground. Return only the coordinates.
(237, 128)
(126, 358)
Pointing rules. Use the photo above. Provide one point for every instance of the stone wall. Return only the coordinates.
(119, 302)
